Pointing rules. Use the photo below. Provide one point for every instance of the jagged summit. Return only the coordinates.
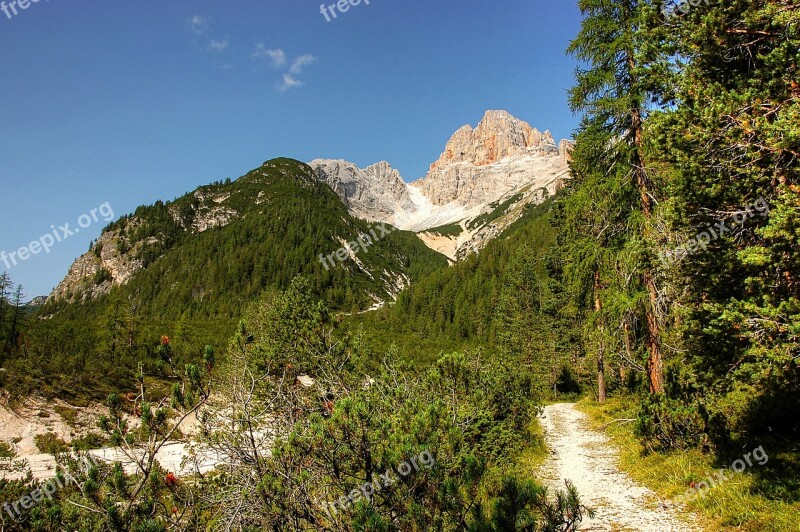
(373, 193)
(498, 136)
(480, 165)
(480, 169)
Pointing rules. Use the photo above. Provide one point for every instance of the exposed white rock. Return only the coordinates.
(480, 165)
(81, 279)
(498, 136)
(373, 193)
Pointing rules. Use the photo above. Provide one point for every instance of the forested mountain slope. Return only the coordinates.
(210, 252)
(190, 268)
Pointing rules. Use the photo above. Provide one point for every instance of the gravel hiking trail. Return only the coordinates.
(587, 458)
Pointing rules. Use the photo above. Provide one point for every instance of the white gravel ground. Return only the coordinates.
(588, 460)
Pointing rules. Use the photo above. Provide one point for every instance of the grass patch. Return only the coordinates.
(739, 503)
(6, 451)
(499, 210)
(69, 415)
(89, 442)
(50, 443)
(452, 230)
(535, 452)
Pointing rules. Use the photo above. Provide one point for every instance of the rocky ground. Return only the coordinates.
(20, 426)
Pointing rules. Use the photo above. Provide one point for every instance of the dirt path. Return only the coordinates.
(587, 458)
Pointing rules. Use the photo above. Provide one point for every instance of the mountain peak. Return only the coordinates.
(497, 115)
(372, 193)
(489, 170)
(384, 170)
(498, 136)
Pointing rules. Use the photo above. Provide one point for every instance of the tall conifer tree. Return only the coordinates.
(614, 92)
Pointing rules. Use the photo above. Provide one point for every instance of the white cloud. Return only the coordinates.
(277, 56)
(198, 24)
(279, 60)
(300, 63)
(289, 82)
(219, 45)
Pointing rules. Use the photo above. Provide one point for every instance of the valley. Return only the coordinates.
(518, 332)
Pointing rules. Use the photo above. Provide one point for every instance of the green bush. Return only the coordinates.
(69, 415)
(102, 275)
(50, 443)
(89, 442)
(666, 424)
(6, 450)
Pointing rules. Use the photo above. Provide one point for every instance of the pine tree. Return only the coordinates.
(733, 144)
(614, 93)
(524, 317)
(17, 320)
(5, 284)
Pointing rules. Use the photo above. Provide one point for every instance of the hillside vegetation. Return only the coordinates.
(663, 283)
(194, 286)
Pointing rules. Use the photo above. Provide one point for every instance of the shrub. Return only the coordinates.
(667, 424)
(50, 443)
(6, 450)
(102, 275)
(69, 415)
(89, 442)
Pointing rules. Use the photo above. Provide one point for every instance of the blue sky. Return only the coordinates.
(130, 102)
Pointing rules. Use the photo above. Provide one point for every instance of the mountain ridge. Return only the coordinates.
(226, 242)
(480, 185)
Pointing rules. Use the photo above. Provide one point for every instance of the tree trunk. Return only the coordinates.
(15, 320)
(655, 366)
(601, 365)
(601, 379)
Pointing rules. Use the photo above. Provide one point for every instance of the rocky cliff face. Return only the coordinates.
(480, 182)
(498, 136)
(565, 148)
(480, 165)
(374, 193)
(94, 273)
(113, 261)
